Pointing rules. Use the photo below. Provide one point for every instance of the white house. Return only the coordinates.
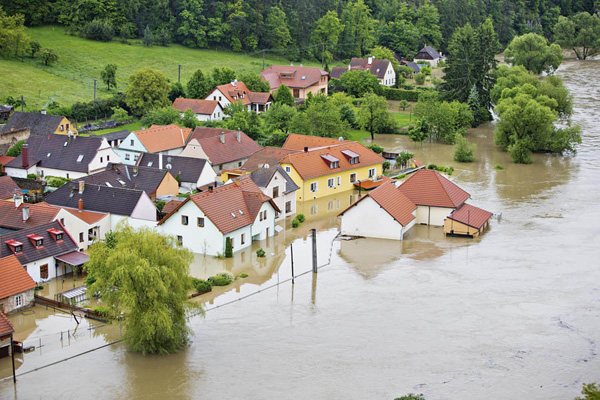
(382, 69)
(384, 213)
(237, 210)
(428, 54)
(205, 110)
(238, 91)
(63, 156)
(16, 286)
(86, 227)
(274, 182)
(163, 139)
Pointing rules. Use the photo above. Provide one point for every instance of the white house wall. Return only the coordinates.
(33, 269)
(260, 228)
(368, 219)
(20, 172)
(145, 209)
(193, 149)
(75, 226)
(104, 156)
(279, 181)
(127, 148)
(432, 215)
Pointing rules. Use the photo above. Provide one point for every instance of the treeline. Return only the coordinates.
(304, 29)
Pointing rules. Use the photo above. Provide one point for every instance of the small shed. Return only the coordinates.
(72, 296)
(468, 221)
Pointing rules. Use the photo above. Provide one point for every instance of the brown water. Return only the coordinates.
(513, 314)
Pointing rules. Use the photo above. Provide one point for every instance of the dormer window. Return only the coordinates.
(56, 234)
(15, 246)
(331, 160)
(352, 157)
(233, 215)
(36, 240)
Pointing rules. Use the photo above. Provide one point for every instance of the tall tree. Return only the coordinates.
(222, 75)
(533, 52)
(373, 114)
(109, 75)
(144, 275)
(199, 85)
(277, 34)
(283, 95)
(326, 33)
(359, 29)
(14, 41)
(148, 89)
(581, 33)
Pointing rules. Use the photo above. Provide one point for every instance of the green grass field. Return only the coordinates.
(402, 119)
(80, 61)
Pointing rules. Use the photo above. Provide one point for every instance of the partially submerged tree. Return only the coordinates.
(533, 52)
(144, 275)
(580, 32)
(463, 151)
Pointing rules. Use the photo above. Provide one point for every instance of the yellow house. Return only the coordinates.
(324, 171)
(40, 124)
(63, 127)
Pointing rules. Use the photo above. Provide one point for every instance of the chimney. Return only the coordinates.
(210, 188)
(238, 137)
(135, 170)
(43, 112)
(160, 164)
(306, 149)
(18, 198)
(25, 213)
(370, 60)
(80, 204)
(25, 155)
(81, 187)
(222, 137)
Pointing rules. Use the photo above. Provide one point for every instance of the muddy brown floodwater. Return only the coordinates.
(513, 314)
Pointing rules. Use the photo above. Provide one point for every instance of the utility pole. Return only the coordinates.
(292, 258)
(323, 57)
(313, 233)
(179, 74)
(263, 51)
(95, 88)
(22, 102)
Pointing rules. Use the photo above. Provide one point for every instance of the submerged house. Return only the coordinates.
(16, 286)
(468, 220)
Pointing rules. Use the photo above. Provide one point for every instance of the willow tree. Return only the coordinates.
(143, 276)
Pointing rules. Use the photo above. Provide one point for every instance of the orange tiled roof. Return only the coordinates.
(310, 164)
(427, 187)
(471, 215)
(14, 279)
(393, 201)
(299, 142)
(8, 187)
(39, 214)
(369, 184)
(5, 159)
(6, 328)
(219, 152)
(266, 155)
(291, 76)
(171, 205)
(89, 217)
(163, 137)
(240, 92)
(197, 106)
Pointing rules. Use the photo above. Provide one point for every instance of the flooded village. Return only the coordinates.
(276, 242)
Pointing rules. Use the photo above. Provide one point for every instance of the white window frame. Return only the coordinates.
(288, 169)
(316, 187)
(127, 156)
(18, 300)
(331, 183)
(339, 180)
(353, 175)
(372, 172)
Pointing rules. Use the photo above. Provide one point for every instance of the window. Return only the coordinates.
(44, 271)
(101, 159)
(18, 301)
(232, 243)
(243, 238)
(288, 207)
(127, 156)
(180, 240)
(67, 175)
(296, 93)
(330, 183)
(80, 237)
(334, 165)
(372, 172)
(201, 222)
(339, 180)
(314, 187)
(62, 221)
(288, 169)
(265, 212)
(131, 142)
(59, 237)
(107, 158)
(80, 158)
(239, 164)
(184, 220)
(276, 192)
(19, 249)
(135, 157)
(221, 167)
(352, 178)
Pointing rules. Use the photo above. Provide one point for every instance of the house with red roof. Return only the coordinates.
(301, 80)
(160, 139)
(16, 286)
(235, 91)
(205, 110)
(468, 220)
(382, 69)
(238, 210)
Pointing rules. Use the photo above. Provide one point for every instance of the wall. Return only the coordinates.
(105, 155)
(65, 124)
(75, 226)
(10, 303)
(10, 138)
(434, 216)
(279, 181)
(368, 219)
(168, 186)
(33, 269)
(20, 172)
(458, 228)
(193, 149)
(314, 89)
(259, 228)
(390, 76)
(145, 209)
(126, 148)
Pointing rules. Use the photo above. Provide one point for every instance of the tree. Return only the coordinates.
(279, 118)
(419, 131)
(13, 37)
(321, 118)
(533, 52)
(420, 78)
(34, 48)
(590, 391)
(403, 158)
(119, 114)
(163, 37)
(98, 29)
(327, 32)
(162, 116)
(189, 119)
(148, 89)
(176, 91)
(254, 82)
(190, 23)
(357, 83)
(145, 276)
(580, 32)
(199, 85)
(48, 56)
(109, 75)
(403, 105)
(222, 75)
(463, 151)
(445, 119)
(278, 34)
(373, 114)
(148, 39)
(359, 28)
(228, 247)
(283, 95)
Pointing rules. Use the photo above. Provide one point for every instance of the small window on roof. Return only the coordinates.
(108, 184)
(122, 182)
(150, 163)
(303, 77)
(241, 212)
(80, 158)
(49, 154)
(233, 215)
(65, 145)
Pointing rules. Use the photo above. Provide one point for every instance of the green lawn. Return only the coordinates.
(80, 61)
(402, 119)
(132, 126)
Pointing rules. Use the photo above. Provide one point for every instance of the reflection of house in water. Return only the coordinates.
(369, 257)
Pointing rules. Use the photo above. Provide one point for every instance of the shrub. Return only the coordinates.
(295, 223)
(386, 165)
(463, 151)
(499, 166)
(403, 104)
(420, 78)
(201, 285)
(98, 30)
(411, 396)
(56, 181)
(260, 253)
(401, 94)
(243, 275)
(426, 70)
(401, 176)
(301, 218)
(221, 279)
(31, 176)
(228, 248)
(432, 166)
(104, 311)
(376, 148)
(16, 149)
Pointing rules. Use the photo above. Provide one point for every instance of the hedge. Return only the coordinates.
(403, 94)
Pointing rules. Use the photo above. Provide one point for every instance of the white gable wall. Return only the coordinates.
(266, 227)
(145, 209)
(130, 148)
(432, 215)
(76, 226)
(104, 156)
(390, 76)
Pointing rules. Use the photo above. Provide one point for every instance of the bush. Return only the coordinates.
(228, 248)
(499, 166)
(104, 311)
(56, 181)
(201, 285)
(386, 165)
(432, 166)
(301, 218)
(376, 148)
(16, 149)
(221, 279)
(243, 275)
(260, 253)
(426, 70)
(420, 78)
(32, 176)
(463, 151)
(98, 30)
(411, 396)
(400, 94)
(295, 223)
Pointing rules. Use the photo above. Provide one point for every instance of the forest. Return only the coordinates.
(308, 29)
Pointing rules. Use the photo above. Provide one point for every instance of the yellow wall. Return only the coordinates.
(66, 124)
(168, 186)
(462, 229)
(304, 193)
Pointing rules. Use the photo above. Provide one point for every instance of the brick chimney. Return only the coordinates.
(80, 204)
(25, 155)
(26, 213)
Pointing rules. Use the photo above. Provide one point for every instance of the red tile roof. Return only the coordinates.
(5, 159)
(12, 218)
(170, 206)
(89, 217)
(310, 164)
(299, 142)
(294, 77)
(14, 279)
(6, 328)
(219, 152)
(369, 184)
(8, 187)
(266, 155)
(471, 216)
(206, 107)
(163, 137)
(427, 187)
(393, 201)
(238, 91)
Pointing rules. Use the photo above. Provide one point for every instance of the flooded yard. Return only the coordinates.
(514, 313)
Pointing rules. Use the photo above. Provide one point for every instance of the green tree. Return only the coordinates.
(279, 118)
(48, 56)
(254, 82)
(283, 95)
(144, 275)
(222, 75)
(463, 151)
(590, 391)
(321, 118)
(327, 32)
(419, 131)
(162, 116)
(403, 105)
(109, 75)
(533, 52)
(420, 78)
(13, 37)
(445, 119)
(228, 247)
(190, 23)
(15, 150)
(148, 89)
(403, 158)
(243, 120)
(189, 120)
(580, 32)
(359, 28)
(119, 114)
(357, 83)
(373, 114)
(148, 38)
(176, 91)
(199, 85)
(34, 48)
(278, 34)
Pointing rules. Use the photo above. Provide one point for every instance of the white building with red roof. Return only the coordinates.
(301, 80)
(237, 210)
(238, 92)
(16, 286)
(205, 110)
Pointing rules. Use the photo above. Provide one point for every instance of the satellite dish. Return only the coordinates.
(169, 166)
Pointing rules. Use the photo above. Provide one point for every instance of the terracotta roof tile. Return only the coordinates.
(266, 155)
(206, 107)
(292, 76)
(8, 187)
(39, 214)
(295, 141)
(232, 150)
(14, 279)
(377, 67)
(171, 205)
(240, 92)
(89, 217)
(5, 159)
(471, 216)
(6, 328)
(310, 164)
(370, 184)
(163, 137)
(427, 187)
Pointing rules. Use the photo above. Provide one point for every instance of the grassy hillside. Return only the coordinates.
(81, 60)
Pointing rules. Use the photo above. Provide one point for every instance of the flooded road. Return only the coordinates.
(512, 314)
